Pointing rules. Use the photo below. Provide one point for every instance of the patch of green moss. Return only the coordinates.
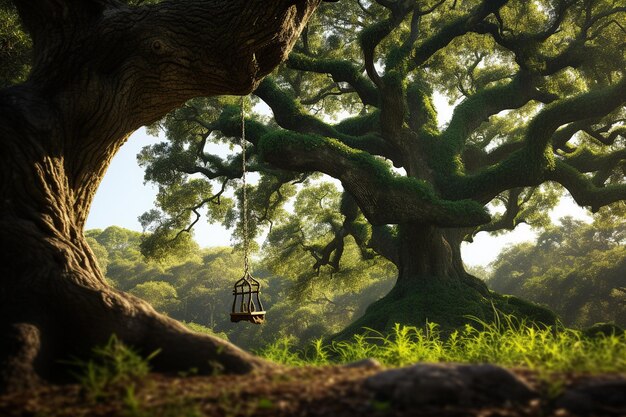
(359, 125)
(422, 110)
(397, 58)
(276, 141)
(450, 303)
(371, 35)
(520, 167)
(340, 69)
(524, 309)
(279, 98)
(229, 123)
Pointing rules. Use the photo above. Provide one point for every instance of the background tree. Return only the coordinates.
(538, 90)
(576, 269)
(100, 70)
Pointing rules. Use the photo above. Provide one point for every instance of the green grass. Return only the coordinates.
(505, 341)
(114, 367)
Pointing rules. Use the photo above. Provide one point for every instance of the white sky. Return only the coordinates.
(122, 197)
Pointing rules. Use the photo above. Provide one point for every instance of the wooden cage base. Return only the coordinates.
(256, 317)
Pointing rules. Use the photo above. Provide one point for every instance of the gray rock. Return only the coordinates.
(454, 384)
(367, 363)
(595, 397)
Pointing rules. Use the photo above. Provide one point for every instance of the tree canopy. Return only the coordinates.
(537, 89)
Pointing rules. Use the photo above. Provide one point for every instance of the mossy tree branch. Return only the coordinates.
(583, 189)
(510, 218)
(589, 105)
(290, 116)
(340, 71)
(532, 164)
(584, 160)
(383, 197)
(527, 46)
(478, 159)
(449, 32)
(477, 108)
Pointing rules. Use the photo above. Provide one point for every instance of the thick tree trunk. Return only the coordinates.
(54, 301)
(432, 285)
(430, 253)
(100, 71)
(425, 254)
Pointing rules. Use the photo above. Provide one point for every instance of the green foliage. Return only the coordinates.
(311, 289)
(161, 295)
(101, 253)
(15, 46)
(504, 341)
(164, 245)
(114, 367)
(120, 244)
(576, 269)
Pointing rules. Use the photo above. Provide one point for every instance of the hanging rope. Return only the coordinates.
(247, 302)
(246, 246)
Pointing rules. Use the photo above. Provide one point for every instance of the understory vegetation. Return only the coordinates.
(504, 342)
(117, 376)
(116, 369)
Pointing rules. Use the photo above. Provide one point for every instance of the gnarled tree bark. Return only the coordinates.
(102, 69)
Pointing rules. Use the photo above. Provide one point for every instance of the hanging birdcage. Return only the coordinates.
(247, 304)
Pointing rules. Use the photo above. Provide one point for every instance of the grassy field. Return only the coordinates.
(505, 342)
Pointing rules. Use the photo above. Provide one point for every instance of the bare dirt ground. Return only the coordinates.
(308, 391)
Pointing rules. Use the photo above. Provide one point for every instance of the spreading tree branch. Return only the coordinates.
(457, 28)
(510, 218)
(535, 162)
(383, 197)
(583, 189)
(478, 107)
(340, 71)
(289, 116)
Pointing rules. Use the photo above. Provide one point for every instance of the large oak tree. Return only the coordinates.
(538, 90)
(100, 69)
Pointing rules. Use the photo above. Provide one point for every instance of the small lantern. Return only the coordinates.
(247, 304)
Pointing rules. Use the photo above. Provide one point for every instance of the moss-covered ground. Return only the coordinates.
(450, 303)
